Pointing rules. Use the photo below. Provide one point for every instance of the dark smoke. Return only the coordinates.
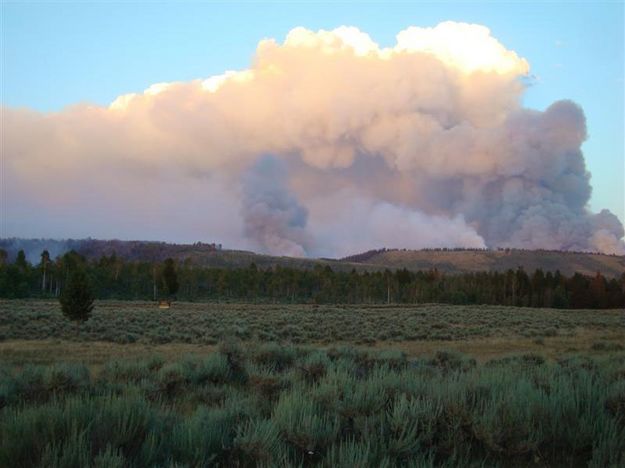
(272, 215)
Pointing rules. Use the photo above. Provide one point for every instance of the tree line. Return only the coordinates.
(112, 277)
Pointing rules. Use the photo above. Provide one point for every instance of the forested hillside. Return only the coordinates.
(201, 253)
(467, 260)
(214, 256)
(113, 277)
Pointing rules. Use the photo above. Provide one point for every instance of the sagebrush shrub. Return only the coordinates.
(286, 406)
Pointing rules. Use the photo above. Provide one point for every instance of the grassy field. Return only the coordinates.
(344, 386)
(35, 331)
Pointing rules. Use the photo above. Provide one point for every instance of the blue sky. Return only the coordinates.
(57, 54)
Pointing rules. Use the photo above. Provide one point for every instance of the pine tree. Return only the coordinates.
(578, 286)
(170, 278)
(20, 261)
(45, 259)
(598, 291)
(77, 298)
(538, 288)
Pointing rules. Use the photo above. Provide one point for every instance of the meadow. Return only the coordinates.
(127, 322)
(301, 385)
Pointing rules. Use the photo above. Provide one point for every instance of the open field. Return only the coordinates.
(96, 353)
(35, 331)
(296, 385)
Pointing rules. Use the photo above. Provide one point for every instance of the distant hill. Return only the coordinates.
(450, 261)
(456, 261)
(200, 253)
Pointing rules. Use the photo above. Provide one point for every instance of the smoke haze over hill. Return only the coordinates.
(327, 145)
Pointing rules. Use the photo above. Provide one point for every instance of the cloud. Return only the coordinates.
(427, 136)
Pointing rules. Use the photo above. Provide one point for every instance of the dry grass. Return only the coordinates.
(92, 353)
(485, 349)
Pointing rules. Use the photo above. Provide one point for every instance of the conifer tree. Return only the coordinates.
(170, 278)
(77, 298)
(45, 259)
(20, 261)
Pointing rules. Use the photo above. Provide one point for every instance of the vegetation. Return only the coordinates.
(450, 261)
(273, 405)
(77, 298)
(115, 278)
(170, 278)
(207, 324)
(295, 381)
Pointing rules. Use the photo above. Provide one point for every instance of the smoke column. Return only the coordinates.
(272, 216)
(422, 144)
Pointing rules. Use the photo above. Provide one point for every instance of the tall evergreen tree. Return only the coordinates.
(45, 259)
(598, 291)
(170, 278)
(20, 261)
(538, 288)
(77, 298)
(580, 298)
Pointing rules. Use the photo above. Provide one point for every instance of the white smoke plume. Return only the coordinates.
(420, 145)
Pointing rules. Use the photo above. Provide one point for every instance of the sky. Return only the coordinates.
(57, 54)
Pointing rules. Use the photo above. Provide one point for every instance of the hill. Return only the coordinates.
(211, 255)
(457, 261)
(203, 254)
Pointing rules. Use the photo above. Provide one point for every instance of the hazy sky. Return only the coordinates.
(59, 54)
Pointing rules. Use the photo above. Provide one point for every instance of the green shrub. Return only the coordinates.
(350, 454)
(214, 369)
(452, 361)
(109, 459)
(343, 407)
(129, 371)
(411, 427)
(61, 432)
(71, 452)
(314, 366)
(258, 441)
(66, 378)
(233, 352)
(173, 378)
(303, 424)
(360, 398)
(275, 356)
(30, 384)
(204, 438)
(605, 346)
